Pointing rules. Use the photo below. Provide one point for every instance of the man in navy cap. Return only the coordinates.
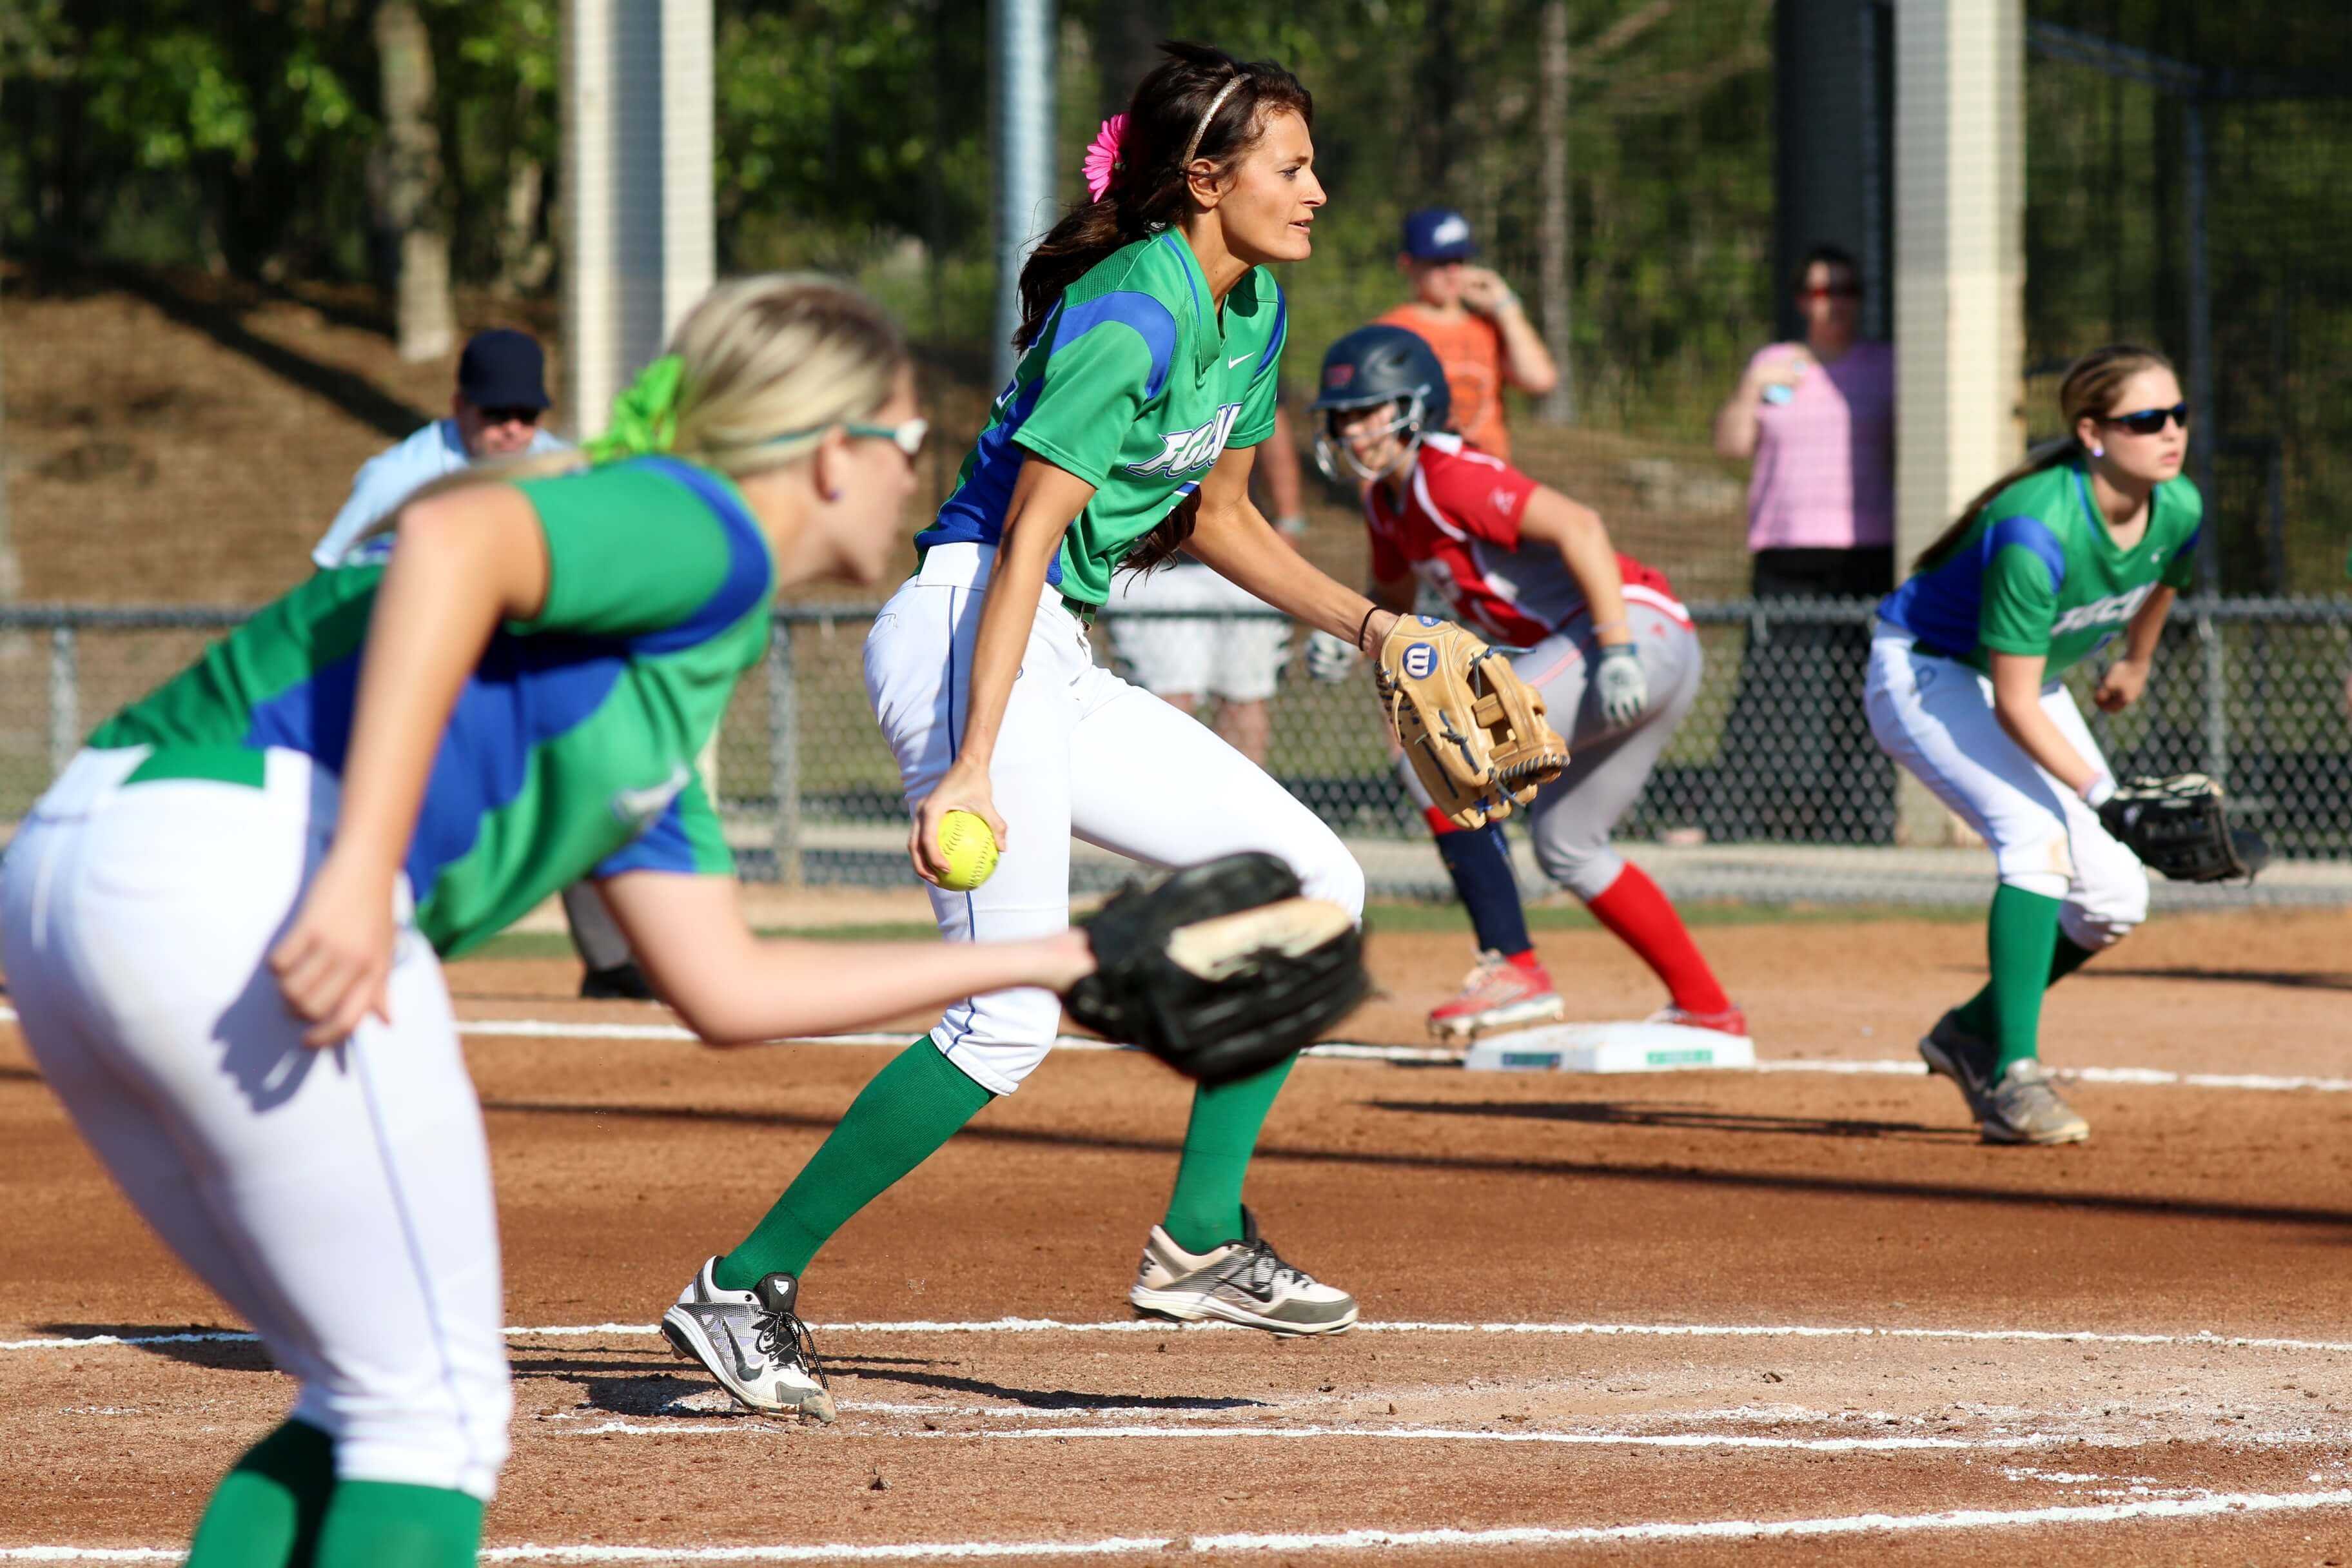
(496, 412)
(1472, 319)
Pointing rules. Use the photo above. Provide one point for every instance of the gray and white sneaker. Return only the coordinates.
(1950, 1051)
(753, 1342)
(1241, 1282)
(2023, 1107)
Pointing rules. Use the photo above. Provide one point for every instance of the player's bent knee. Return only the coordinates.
(1584, 869)
(2104, 914)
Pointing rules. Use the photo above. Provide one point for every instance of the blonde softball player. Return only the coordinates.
(2088, 538)
(221, 924)
(1601, 635)
(1153, 333)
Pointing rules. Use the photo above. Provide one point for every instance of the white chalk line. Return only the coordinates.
(2201, 1339)
(2209, 1506)
(2137, 1078)
(2019, 1443)
(1349, 1051)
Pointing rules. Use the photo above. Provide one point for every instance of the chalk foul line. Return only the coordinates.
(1353, 1051)
(2202, 1339)
(2208, 1506)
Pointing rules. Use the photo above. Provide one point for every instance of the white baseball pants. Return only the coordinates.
(339, 1200)
(1934, 716)
(1081, 754)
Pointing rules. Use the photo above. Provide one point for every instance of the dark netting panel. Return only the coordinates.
(2184, 172)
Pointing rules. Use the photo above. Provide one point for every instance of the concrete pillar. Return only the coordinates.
(640, 247)
(1959, 275)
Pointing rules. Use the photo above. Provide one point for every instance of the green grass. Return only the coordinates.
(1395, 918)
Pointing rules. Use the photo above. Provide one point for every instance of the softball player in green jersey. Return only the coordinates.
(1153, 334)
(2089, 538)
(221, 924)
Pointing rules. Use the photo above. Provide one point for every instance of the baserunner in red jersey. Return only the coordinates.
(1603, 638)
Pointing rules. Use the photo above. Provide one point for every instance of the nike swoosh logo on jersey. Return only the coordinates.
(1236, 360)
(641, 808)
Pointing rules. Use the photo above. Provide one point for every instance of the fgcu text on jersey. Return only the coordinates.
(1136, 383)
(1456, 527)
(2037, 573)
(569, 749)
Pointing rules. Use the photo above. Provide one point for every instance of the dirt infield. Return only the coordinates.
(1682, 1319)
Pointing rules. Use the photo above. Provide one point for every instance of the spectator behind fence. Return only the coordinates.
(1237, 660)
(495, 411)
(1818, 419)
(1469, 315)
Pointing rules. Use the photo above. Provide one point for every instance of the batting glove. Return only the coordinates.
(1329, 658)
(1624, 689)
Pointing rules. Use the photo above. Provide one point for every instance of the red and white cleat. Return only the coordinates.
(1730, 1021)
(1498, 994)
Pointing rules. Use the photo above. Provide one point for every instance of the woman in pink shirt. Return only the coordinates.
(1817, 420)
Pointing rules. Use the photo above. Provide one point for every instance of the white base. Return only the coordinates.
(1610, 1048)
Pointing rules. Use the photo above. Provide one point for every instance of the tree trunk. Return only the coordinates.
(412, 187)
(1127, 44)
(1554, 231)
(1437, 85)
(11, 577)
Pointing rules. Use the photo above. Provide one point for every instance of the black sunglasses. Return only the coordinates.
(520, 415)
(2149, 421)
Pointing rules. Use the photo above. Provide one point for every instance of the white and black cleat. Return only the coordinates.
(753, 1342)
(1241, 1282)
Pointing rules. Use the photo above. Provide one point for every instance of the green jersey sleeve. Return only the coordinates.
(685, 839)
(2181, 570)
(1105, 360)
(630, 549)
(2020, 605)
(1256, 421)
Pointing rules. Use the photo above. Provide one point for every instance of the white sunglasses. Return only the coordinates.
(908, 435)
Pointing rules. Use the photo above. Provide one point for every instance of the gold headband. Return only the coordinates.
(1201, 130)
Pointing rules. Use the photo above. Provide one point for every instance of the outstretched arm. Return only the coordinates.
(1232, 537)
(732, 988)
(468, 560)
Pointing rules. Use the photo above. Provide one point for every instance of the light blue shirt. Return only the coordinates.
(391, 477)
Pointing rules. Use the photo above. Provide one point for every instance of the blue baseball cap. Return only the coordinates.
(1438, 234)
(502, 368)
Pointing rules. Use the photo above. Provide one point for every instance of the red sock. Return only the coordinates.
(1634, 908)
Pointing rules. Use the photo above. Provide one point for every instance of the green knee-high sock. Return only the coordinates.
(2067, 959)
(1977, 1015)
(266, 1509)
(898, 1121)
(2021, 940)
(1204, 1212)
(387, 1524)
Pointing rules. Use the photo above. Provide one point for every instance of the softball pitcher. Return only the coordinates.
(1603, 638)
(2090, 536)
(221, 924)
(1152, 335)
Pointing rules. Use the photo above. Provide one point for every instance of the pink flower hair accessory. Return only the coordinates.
(1102, 156)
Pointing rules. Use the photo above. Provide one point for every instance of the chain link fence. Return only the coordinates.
(1771, 790)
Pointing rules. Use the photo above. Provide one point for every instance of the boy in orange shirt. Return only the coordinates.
(1472, 319)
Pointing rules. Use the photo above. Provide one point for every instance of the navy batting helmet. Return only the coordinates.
(1377, 364)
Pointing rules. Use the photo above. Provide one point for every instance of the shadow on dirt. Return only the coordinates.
(191, 1344)
(2284, 979)
(1697, 1118)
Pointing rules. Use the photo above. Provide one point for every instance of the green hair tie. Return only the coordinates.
(644, 415)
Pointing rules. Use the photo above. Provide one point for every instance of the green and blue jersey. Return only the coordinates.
(2037, 573)
(1135, 384)
(570, 751)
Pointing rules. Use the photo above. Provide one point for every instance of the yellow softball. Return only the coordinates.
(969, 848)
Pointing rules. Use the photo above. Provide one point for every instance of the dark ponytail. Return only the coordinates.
(1147, 185)
(2089, 392)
